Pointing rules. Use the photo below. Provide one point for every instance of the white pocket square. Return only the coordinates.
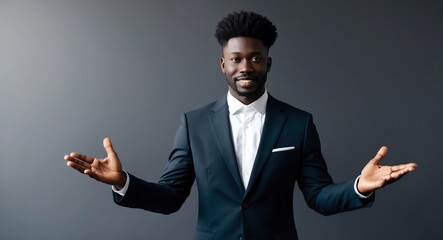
(282, 149)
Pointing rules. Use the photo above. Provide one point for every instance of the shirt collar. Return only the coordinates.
(259, 105)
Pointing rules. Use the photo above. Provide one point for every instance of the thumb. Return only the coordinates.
(380, 155)
(107, 144)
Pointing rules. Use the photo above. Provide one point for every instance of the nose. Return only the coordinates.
(246, 67)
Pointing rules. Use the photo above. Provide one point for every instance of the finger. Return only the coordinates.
(107, 144)
(82, 157)
(77, 161)
(397, 175)
(92, 173)
(380, 155)
(75, 166)
(408, 167)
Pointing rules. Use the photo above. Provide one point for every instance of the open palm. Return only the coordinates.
(375, 176)
(107, 170)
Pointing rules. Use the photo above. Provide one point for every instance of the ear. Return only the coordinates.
(269, 64)
(222, 65)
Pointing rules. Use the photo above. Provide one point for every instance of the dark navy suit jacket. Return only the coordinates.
(203, 151)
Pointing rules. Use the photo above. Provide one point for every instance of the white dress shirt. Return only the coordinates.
(246, 128)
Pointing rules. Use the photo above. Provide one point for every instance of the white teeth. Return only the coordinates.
(246, 83)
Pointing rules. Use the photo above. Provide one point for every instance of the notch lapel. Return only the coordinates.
(274, 122)
(221, 129)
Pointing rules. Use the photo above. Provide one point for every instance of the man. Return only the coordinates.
(246, 151)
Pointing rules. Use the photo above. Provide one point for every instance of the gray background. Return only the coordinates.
(73, 72)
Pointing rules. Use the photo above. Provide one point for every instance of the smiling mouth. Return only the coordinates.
(246, 78)
(246, 82)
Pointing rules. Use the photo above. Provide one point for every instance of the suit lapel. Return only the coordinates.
(222, 131)
(274, 122)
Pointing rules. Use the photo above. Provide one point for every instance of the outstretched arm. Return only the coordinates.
(375, 176)
(107, 170)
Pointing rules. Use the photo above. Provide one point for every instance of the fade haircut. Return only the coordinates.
(246, 24)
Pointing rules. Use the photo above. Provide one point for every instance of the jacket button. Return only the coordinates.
(245, 205)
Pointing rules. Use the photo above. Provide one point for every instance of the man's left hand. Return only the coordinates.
(375, 176)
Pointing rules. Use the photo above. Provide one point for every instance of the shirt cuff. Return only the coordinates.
(122, 191)
(357, 192)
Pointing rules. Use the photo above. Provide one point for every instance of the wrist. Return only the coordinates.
(360, 189)
(121, 180)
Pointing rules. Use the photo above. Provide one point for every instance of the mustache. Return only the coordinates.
(246, 76)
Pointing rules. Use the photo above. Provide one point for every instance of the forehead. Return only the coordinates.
(244, 45)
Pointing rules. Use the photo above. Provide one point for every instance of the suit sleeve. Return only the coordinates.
(174, 186)
(317, 186)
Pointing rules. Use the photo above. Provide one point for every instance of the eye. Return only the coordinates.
(235, 59)
(256, 59)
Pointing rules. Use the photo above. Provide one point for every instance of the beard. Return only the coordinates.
(245, 93)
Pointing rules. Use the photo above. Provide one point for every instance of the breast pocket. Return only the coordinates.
(284, 161)
(284, 153)
(283, 149)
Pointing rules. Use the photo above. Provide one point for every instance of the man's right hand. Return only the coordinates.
(107, 170)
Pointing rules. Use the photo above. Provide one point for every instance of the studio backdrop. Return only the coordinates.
(74, 72)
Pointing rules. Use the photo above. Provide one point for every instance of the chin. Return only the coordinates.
(246, 93)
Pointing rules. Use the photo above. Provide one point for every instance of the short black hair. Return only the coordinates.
(246, 24)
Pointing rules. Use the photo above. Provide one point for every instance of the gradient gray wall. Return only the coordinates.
(73, 72)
